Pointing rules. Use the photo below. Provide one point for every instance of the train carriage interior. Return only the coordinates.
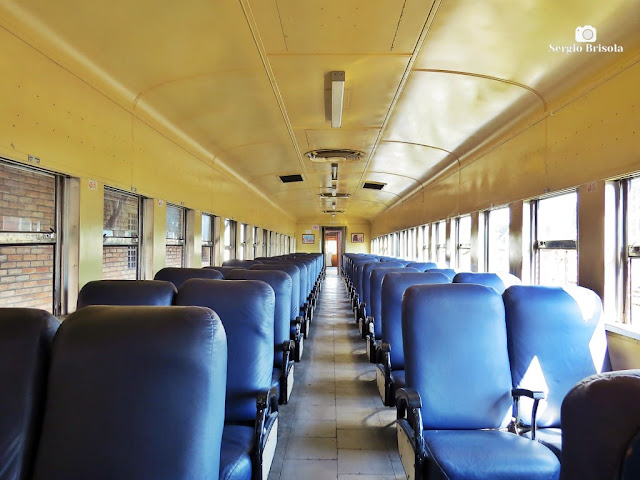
(324, 239)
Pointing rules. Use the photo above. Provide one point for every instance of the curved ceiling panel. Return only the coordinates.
(511, 40)
(408, 159)
(456, 112)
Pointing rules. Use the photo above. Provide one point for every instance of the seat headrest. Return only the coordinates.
(127, 292)
(178, 276)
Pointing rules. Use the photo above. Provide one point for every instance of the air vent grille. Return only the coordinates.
(333, 211)
(334, 155)
(291, 178)
(373, 185)
(338, 195)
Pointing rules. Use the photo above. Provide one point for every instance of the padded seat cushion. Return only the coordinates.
(275, 381)
(551, 438)
(473, 454)
(235, 454)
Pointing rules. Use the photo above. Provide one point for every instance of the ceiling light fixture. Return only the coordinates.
(337, 98)
(334, 171)
(333, 205)
(333, 191)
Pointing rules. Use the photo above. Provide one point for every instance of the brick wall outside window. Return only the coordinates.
(26, 276)
(27, 200)
(206, 256)
(115, 263)
(174, 256)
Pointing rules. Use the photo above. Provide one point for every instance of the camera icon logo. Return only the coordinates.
(586, 34)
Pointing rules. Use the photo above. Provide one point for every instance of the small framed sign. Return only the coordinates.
(357, 238)
(308, 238)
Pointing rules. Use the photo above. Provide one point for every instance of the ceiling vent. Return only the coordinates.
(333, 211)
(337, 195)
(373, 185)
(331, 155)
(291, 178)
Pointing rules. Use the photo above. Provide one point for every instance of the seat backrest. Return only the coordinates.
(556, 338)
(499, 281)
(294, 272)
(449, 272)
(234, 262)
(392, 288)
(455, 350)
(127, 292)
(134, 392)
(224, 270)
(366, 278)
(178, 276)
(246, 308)
(26, 335)
(280, 282)
(422, 266)
(374, 306)
(600, 417)
(359, 275)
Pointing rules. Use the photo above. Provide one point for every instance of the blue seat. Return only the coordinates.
(422, 266)
(390, 371)
(306, 308)
(178, 276)
(283, 350)
(297, 326)
(127, 292)
(224, 270)
(234, 262)
(499, 281)
(371, 326)
(134, 392)
(600, 423)
(449, 272)
(556, 338)
(246, 308)
(26, 335)
(458, 393)
(358, 297)
(364, 309)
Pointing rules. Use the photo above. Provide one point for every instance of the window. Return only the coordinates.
(631, 266)
(498, 244)
(556, 233)
(463, 244)
(257, 250)
(242, 243)
(30, 250)
(176, 233)
(208, 239)
(482, 242)
(265, 243)
(441, 242)
(229, 239)
(121, 228)
(413, 241)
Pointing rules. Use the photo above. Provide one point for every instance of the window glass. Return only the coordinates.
(120, 227)
(229, 239)
(175, 236)
(207, 240)
(28, 247)
(557, 232)
(499, 240)
(441, 246)
(464, 243)
(633, 250)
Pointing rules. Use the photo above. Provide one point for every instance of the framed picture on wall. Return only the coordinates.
(357, 238)
(308, 238)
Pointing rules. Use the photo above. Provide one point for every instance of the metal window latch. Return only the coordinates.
(46, 236)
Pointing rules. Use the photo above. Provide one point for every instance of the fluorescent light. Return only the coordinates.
(337, 98)
(334, 171)
(333, 191)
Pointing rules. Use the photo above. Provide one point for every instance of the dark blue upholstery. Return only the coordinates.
(456, 359)
(556, 338)
(127, 292)
(449, 272)
(224, 270)
(25, 348)
(134, 392)
(246, 308)
(280, 282)
(234, 262)
(499, 281)
(366, 280)
(178, 276)
(375, 309)
(235, 456)
(422, 266)
(600, 422)
(393, 287)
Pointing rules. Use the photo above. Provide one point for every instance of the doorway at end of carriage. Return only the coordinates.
(333, 245)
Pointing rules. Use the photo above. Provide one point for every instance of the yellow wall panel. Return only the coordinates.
(351, 227)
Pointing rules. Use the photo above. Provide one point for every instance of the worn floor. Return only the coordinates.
(335, 426)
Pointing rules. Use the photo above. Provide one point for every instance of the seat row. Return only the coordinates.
(249, 317)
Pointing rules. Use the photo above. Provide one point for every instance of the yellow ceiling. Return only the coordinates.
(429, 84)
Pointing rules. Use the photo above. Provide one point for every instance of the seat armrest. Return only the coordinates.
(287, 347)
(536, 396)
(408, 405)
(266, 415)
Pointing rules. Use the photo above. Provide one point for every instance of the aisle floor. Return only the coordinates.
(335, 426)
